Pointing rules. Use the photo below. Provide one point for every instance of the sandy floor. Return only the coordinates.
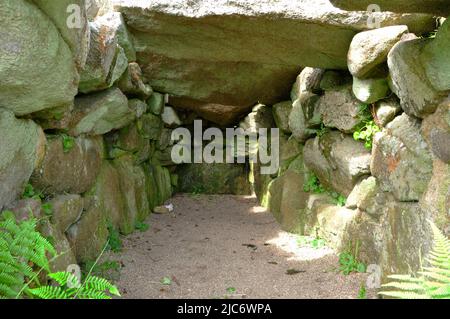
(226, 247)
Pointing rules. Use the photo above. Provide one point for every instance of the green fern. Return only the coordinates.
(70, 288)
(434, 281)
(21, 249)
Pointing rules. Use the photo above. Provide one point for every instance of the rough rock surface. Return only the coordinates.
(401, 159)
(260, 117)
(66, 211)
(340, 109)
(439, 7)
(370, 49)
(99, 113)
(37, 70)
(22, 144)
(200, 66)
(70, 17)
(436, 59)
(337, 160)
(281, 112)
(409, 79)
(73, 171)
(370, 91)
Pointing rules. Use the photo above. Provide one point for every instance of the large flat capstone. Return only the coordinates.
(235, 54)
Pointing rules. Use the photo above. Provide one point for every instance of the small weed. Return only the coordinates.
(313, 185)
(198, 189)
(231, 290)
(308, 241)
(141, 226)
(349, 262)
(68, 142)
(30, 192)
(114, 241)
(366, 133)
(47, 209)
(323, 130)
(166, 281)
(362, 293)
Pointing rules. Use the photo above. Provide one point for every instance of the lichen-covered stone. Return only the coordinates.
(387, 110)
(436, 131)
(103, 51)
(370, 91)
(298, 123)
(170, 117)
(307, 81)
(108, 195)
(369, 49)
(131, 82)
(99, 113)
(281, 112)
(66, 210)
(436, 59)
(72, 171)
(22, 144)
(156, 103)
(436, 199)
(401, 159)
(133, 187)
(340, 109)
(138, 107)
(66, 256)
(409, 79)
(70, 17)
(150, 126)
(337, 160)
(89, 235)
(260, 117)
(37, 69)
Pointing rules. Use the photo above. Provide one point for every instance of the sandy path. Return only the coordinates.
(226, 247)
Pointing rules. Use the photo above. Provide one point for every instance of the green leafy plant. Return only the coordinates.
(70, 287)
(322, 130)
(313, 185)
(68, 142)
(141, 226)
(348, 261)
(114, 241)
(434, 281)
(362, 293)
(30, 192)
(47, 209)
(366, 133)
(231, 290)
(166, 281)
(22, 250)
(339, 199)
(314, 242)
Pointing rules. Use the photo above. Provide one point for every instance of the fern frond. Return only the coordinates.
(434, 281)
(49, 292)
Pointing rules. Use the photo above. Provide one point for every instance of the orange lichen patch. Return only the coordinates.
(392, 163)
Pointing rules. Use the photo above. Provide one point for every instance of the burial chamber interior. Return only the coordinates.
(363, 118)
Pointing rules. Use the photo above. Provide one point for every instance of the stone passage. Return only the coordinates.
(226, 246)
(87, 114)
